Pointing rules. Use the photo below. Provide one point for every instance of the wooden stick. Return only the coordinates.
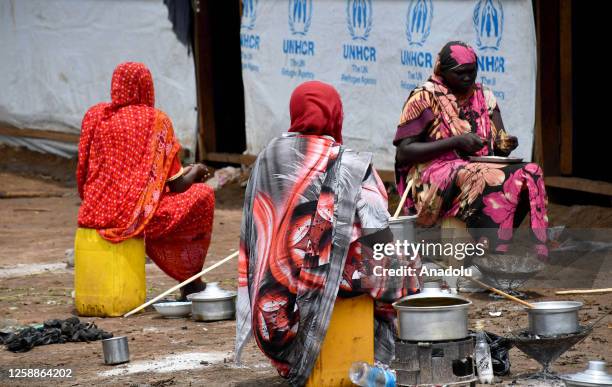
(503, 294)
(191, 279)
(494, 290)
(584, 291)
(403, 200)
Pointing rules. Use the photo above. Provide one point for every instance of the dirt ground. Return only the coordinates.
(36, 285)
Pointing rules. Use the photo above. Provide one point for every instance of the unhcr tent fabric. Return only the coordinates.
(375, 52)
(58, 57)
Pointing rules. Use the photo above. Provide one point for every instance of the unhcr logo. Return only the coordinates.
(359, 22)
(488, 23)
(300, 15)
(418, 21)
(359, 18)
(249, 13)
(248, 39)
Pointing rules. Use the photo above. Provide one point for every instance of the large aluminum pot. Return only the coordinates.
(213, 303)
(552, 318)
(432, 315)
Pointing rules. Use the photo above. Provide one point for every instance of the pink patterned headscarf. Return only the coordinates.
(453, 55)
(462, 54)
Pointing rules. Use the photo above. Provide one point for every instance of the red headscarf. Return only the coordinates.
(316, 108)
(132, 84)
(126, 151)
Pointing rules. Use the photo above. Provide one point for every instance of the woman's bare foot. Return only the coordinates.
(193, 287)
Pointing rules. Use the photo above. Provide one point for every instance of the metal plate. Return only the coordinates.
(496, 159)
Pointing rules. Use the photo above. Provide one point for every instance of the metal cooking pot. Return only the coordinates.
(594, 375)
(402, 228)
(432, 315)
(552, 318)
(213, 303)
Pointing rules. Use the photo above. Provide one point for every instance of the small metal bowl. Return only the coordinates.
(176, 309)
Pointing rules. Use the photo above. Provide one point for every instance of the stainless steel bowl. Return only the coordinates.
(552, 318)
(432, 316)
(116, 350)
(173, 309)
(213, 304)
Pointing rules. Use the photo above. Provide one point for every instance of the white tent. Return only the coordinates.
(58, 57)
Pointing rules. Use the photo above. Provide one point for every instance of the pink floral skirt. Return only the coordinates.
(492, 199)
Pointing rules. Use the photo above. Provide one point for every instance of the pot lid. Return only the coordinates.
(431, 291)
(595, 374)
(438, 298)
(212, 293)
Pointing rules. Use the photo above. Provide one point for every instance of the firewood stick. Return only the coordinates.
(584, 291)
(503, 294)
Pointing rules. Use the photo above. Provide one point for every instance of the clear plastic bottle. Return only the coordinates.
(482, 353)
(366, 375)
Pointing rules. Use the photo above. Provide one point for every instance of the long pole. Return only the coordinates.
(584, 291)
(172, 289)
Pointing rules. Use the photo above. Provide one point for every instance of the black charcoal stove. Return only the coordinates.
(448, 363)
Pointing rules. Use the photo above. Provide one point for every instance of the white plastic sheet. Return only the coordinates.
(58, 57)
(374, 52)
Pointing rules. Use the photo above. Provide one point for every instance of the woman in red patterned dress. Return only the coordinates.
(131, 181)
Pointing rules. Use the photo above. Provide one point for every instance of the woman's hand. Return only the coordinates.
(411, 150)
(194, 173)
(506, 144)
(202, 173)
(468, 143)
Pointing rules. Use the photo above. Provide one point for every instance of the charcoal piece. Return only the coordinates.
(54, 331)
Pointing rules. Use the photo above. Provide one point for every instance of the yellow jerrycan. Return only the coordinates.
(109, 278)
(349, 338)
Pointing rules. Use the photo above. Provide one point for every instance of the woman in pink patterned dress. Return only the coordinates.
(447, 119)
